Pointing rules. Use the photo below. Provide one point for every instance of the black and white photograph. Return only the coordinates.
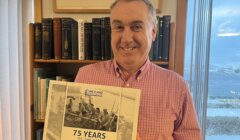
(87, 108)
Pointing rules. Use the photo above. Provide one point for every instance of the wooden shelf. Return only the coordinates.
(84, 61)
(39, 121)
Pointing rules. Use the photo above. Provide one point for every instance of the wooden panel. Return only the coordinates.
(180, 36)
(171, 65)
(94, 6)
(37, 10)
(31, 51)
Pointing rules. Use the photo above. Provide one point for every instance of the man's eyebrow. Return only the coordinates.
(137, 22)
(116, 21)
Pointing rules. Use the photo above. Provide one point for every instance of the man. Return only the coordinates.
(166, 109)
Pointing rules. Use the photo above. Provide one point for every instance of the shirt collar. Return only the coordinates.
(142, 70)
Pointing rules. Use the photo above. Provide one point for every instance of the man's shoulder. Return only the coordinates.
(102, 65)
(166, 73)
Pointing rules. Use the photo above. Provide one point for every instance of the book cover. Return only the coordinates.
(81, 48)
(88, 40)
(108, 49)
(155, 42)
(74, 34)
(47, 38)
(57, 37)
(38, 40)
(96, 38)
(66, 38)
(37, 73)
(166, 37)
(160, 38)
(92, 112)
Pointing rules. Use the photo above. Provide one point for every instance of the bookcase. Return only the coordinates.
(70, 67)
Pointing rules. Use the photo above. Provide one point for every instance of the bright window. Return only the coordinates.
(223, 108)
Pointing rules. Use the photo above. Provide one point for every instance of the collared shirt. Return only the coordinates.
(166, 110)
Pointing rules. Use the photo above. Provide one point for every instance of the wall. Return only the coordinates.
(169, 8)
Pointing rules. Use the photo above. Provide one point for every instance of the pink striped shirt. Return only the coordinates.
(166, 108)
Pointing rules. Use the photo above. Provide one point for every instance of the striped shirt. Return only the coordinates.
(166, 110)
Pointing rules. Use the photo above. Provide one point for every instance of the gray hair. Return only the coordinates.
(148, 3)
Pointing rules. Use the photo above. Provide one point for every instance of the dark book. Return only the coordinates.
(39, 134)
(103, 38)
(166, 37)
(31, 39)
(38, 40)
(155, 42)
(96, 38)
(47, 38)
(108, 48)
(88, 40)
(160, 38)
(74, 31)
(151, 53)
(57, 37)
(66, 38)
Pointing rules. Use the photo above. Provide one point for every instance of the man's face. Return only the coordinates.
(132, 33)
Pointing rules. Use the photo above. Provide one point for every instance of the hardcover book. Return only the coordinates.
(47, 38)
(38, 40)
(66, 38)
(57, 37)
(88, 40)
(166, 37)
(96, 38)
(80, 111)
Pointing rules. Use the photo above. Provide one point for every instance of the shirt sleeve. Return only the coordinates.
(186, 127)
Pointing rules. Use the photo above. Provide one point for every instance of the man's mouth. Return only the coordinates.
(127, 48)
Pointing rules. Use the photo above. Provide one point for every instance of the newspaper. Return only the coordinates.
(78, 111)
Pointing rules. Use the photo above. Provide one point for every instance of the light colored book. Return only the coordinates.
(81, 50)
(87, 111)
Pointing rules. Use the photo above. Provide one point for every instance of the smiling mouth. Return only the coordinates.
(127, 48)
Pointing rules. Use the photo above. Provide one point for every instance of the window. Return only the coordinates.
(223, 100)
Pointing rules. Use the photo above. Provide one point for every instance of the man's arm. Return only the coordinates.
(186, 127)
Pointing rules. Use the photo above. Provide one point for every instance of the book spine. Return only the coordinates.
(155, 43)
(160, 38)
(88, 40)
(47, 38)
(57, 38)
(166, 37)
(108, 48)
(74, 31)
(102, 38)
(81, 50)
(38, 40)
(151, 53)
(66, 38)
(96, 38)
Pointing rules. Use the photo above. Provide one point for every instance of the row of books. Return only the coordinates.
(66, 38)
(161, 45)
(39, 134)
(42, 77)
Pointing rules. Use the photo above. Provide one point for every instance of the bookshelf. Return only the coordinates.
(60, 65)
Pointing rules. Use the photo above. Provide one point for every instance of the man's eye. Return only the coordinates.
(118, 28)
(136, 27)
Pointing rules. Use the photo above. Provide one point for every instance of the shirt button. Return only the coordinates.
(138, 78)
(117, 75)
(127, 85)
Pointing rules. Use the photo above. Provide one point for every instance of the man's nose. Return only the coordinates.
(127, 36)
